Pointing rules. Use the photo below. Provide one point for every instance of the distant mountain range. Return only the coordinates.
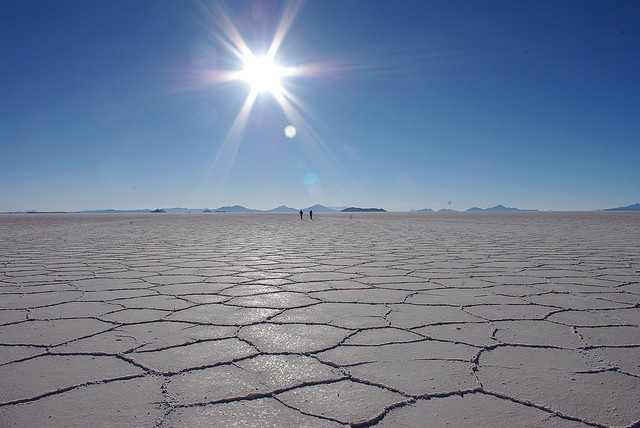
(497, 208)
(285, 209)
(634, 207)
(281, 209)
(363, 210)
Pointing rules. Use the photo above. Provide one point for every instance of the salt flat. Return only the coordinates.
(513, 319)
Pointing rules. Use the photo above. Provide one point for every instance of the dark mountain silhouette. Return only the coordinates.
(363, 210)
(634, 207)
(159, 210)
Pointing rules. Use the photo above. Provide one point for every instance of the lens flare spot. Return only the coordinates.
(290, 131)
(310, 178)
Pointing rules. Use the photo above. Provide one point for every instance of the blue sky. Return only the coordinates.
(402, 105)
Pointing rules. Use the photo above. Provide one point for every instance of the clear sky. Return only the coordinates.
(396, 104)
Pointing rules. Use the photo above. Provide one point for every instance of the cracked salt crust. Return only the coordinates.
(392, 319)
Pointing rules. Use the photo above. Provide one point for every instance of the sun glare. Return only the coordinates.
(262, 74)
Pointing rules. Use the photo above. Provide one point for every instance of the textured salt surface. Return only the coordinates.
(524, 319)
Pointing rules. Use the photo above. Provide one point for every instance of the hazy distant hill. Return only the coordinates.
(363, 210)
(497, 208)
(236, 209)
(182, 210)
(112, 211)
(319, 208)
(634, 207)
(282, 209)
(424, 210)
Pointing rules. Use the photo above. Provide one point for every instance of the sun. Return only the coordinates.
(262, 74)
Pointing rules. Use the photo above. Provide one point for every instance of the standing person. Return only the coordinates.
(310, 215)
(300, 214)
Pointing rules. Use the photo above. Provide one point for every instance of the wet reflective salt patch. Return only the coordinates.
(280, 300)
(298, 338)
(287, 371)
(170, 279)
(214, 384)
(265, 275)
(191, 288)
(321, 276)
(258, 376)
(220, 314)
(249, 290)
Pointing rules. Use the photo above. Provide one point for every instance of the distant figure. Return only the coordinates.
(310, 215)
(300, 214)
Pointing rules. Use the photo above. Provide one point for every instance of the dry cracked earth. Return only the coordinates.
(528, 319)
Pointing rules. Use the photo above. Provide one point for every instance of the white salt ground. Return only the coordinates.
(397, 320)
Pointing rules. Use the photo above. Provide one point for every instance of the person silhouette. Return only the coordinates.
(310, 215)
(300, 214)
